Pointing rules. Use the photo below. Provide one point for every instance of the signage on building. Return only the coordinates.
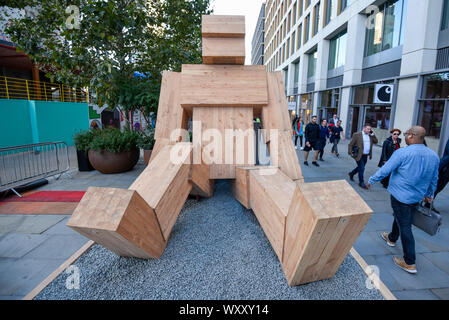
(383, 93)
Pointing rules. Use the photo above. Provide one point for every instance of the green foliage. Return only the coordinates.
(146, 140)
(84, 138)
(113, 140)
(112, 41)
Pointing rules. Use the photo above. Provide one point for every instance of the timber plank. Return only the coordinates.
(224, 51)
(223, 86)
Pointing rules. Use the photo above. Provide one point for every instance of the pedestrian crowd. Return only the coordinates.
(413, 175)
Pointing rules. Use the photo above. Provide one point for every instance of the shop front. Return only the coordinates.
(367, 108)
(433, 112)
(329, 103)
(305, 107)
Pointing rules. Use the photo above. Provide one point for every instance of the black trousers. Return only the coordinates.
(443, 179)
(300, 140)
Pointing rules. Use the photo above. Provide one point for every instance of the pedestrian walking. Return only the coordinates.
(443, 174)
(298, 129)
(324, 137)
(390, 145)
(336, 134)
(414, 176)
(312, 137)
(360, 148)
(333, 121)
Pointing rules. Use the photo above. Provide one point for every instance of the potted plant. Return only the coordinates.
(82, 143)
(146, 142)
(114, 151)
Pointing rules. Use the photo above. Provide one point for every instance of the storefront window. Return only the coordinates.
(387, 27)
(306, 107)
(379, 119)
(364, 94)
(328, 104)
(432, 108)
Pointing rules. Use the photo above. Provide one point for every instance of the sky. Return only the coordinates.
(248, 8)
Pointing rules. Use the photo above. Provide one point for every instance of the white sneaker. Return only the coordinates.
(302, 148)
(296, 148)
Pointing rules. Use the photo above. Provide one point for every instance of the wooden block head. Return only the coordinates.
(223, 26)
(223, 39)
(119, 220)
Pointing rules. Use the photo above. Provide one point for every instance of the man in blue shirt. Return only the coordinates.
(414, 176)
(324, 136)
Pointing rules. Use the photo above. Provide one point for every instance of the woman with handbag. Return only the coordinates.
(390, 145)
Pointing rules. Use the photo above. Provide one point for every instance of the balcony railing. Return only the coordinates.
(15, 88)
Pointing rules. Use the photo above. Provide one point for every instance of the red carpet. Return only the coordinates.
(48, 196)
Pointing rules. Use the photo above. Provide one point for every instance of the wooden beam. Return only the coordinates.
(223, 86)
(283, 154)
(224, 51)
(321, 228)
(223, 26)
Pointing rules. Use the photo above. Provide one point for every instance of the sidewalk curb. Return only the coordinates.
(383, 289)
(41, 286)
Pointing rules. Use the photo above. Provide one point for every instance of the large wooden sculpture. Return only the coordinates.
(311, 226)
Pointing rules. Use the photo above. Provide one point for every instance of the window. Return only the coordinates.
(445, 21)
(316, 18)
(287, 52)
(306, 28)
(300, 7)
(387, 28)
(289, 20)
(294, 14)
(293, 41)
(312, 64)
(343, 5)
(298, 43)
(337, 51)
(296, 66)
(330, 11)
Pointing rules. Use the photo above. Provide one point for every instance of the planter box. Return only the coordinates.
(83, 161)
(110, 162)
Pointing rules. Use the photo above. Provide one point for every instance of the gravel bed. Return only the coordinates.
(217, 250)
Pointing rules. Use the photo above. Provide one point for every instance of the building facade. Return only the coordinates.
(383, 62)
(257, 43)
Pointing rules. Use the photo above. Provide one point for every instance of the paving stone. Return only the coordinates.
(415, 295)
(438, 242)
(428, 277)
(11, 297)
(385, 277)
(61, 228)
(10, 223)
(440, 259)
(18, 279)
(16, 245)
(37, 224)
(57, 247)
(443, 293)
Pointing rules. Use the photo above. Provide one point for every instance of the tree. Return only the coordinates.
(101, 44)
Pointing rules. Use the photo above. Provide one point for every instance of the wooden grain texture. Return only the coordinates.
(223, 51)
(226, 139)
(321, 227)
(158, 146)
(275, 115)
(164, 184)
(283, 154)
(223, 86)
(119, 220)
(170, 114)
(270, 197)
(199, 178)
(223, 26)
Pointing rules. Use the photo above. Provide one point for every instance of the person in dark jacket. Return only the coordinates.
(336, 134)
(324, 137)
(390, 145)
(443, 173)
(312, 135)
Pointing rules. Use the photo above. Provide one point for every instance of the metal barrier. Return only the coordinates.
(24, 164)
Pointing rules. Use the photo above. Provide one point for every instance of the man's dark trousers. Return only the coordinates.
(402, 226)
(360, 168)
